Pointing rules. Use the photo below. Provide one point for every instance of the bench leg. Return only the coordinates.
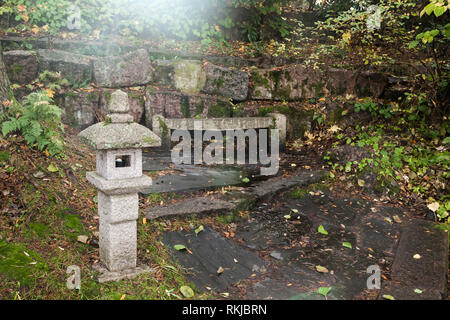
(161, 130)
(281, 125)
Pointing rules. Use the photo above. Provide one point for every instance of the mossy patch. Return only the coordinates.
(259, 80)
(38, 229)
(73, 226)
(20, 264)
(15, 71)
(300, 193)
(220, 110)
(185, 110)
(299, 119)
(4, 156)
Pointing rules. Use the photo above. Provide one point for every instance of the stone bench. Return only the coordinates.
(163, 126)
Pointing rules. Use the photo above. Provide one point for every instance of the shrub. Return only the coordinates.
(38, 120)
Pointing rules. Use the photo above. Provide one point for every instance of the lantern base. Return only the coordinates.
(106, 276)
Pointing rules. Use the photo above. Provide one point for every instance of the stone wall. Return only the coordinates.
(173, 83)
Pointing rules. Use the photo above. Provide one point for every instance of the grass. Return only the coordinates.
(41, 220)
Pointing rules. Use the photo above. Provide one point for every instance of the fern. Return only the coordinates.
(38, 121)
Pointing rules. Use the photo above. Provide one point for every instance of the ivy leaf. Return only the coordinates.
(347, 245)
(321, 269)
(324, 291)
(246, 180)
(322, 230)
(439, 11)
(52, 168)
(199, 229)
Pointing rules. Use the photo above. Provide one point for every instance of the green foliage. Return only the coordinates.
(263, 13)
(207, 20)
(373, 108)
(420, 168)
(38, 121)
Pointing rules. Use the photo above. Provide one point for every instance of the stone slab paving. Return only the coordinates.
(426, 272)
(292, 248)
(209, 251)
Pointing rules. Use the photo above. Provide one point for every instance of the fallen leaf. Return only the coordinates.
(322, 230)
(347, 245)
(220, 271)
(434, 206)
(82, 239)
(324, 291)
(179, 247)
(199, 229)
(321, 269)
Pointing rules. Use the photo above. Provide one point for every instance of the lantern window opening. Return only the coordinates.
(123, 161)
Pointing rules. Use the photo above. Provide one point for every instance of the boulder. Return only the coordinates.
(290, 83)
(81, 108)
(74, 67)
(21, 66)
(226, 82)
(186, 76)
(171, 104)
(363, 84)
(135, 99)
(131, 69)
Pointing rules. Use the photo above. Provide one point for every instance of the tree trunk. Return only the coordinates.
(4, 82)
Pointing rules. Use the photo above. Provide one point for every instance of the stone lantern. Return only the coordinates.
(118, 178)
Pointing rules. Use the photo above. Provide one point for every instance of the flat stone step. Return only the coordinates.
(202, 205)
(228, 202)
(269, 188)
(428, 272)
(199, 178)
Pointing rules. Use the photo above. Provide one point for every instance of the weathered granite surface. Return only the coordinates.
(21, 66)
(75, 67)
(226, 82)
(131, 69)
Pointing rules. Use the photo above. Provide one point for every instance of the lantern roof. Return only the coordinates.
(119, 131)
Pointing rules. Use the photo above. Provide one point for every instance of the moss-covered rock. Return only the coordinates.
(172, 104)
(226, 82)
(289, 83)
(132, 69)
(298, 119)
(21, 66)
